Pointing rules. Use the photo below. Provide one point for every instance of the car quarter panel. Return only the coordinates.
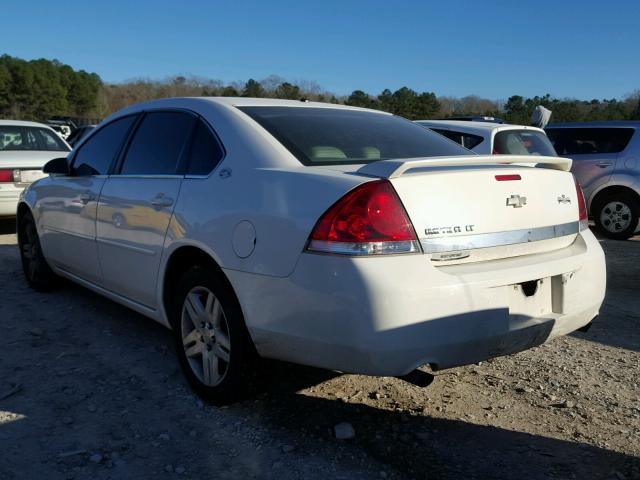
(282, 207)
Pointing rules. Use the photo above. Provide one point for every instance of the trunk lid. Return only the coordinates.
(479, 210)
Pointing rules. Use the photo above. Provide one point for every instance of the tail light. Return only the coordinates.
(6, 176)
(369, 220)
(582, 207)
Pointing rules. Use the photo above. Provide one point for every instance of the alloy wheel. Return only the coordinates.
(615, 216)
(205, 336)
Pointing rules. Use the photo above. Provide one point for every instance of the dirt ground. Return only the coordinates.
(91, 390)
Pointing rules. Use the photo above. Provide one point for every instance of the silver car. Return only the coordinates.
(607, 164)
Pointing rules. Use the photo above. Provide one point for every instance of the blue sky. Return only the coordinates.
(583, 49)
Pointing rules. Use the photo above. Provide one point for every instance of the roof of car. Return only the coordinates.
(276, 102)
(481, 128)
(22, 123)
(600, 124)
(247, 102)
(227, 102)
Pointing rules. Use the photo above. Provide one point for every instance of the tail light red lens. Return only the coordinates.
(369, 220)
(6, 176)
(582, 207)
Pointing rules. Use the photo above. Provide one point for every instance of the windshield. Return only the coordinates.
(13, 137)
(522, 142)
(320, 136)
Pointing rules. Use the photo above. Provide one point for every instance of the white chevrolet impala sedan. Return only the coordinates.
(324, 235)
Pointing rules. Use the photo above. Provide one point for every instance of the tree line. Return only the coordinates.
(39, 89)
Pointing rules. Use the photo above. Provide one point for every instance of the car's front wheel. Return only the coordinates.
(36, 269)
(616, 215)
(212, 342)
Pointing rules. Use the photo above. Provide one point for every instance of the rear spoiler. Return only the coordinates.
(395, 168)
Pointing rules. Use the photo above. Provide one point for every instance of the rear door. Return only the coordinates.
(69, 203)
(137, 203)
(594, 151)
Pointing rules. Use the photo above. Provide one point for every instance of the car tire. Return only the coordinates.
(37, 271)
(212, 342)
(616, 216)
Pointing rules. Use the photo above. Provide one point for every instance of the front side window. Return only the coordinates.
(320, 136)
(96, 155)
(30, 138)
(158, 144)
(581, 141)
(522, 142)
(205, 152)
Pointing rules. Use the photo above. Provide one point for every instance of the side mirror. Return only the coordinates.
(57, 166)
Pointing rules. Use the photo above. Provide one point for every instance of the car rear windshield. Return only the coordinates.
(13, 137)
(320, 136)
(522, 142)
(580, 141)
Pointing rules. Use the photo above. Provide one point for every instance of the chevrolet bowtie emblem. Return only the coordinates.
(516, 201)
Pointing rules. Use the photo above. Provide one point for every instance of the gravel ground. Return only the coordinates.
(89, 389)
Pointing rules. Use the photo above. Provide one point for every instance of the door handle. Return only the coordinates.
(160, 201)
(604, 164)
(87, 197)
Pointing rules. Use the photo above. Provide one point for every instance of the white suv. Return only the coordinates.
(487, 138)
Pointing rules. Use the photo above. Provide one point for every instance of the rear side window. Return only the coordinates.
(580, 141)
(158, 144)
(205, 152)
(30, 138)
(467, 140)
(96, 155)
(522, 142)
(320, 136)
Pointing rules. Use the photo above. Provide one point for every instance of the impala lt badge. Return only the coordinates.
(516, 201)
(448, 230)
(564, 199)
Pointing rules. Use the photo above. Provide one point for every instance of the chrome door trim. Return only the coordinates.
(67, 232)
(144, 251)
(145, 175)
(497, 239)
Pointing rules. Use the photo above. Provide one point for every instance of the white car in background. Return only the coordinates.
(488, 138)
(24, 149)
(325, 235)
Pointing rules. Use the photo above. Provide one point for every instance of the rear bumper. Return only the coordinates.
(387, 316)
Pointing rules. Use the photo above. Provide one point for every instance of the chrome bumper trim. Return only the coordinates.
(497, 239)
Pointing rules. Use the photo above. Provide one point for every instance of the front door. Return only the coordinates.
(68, 215)
(137, 203)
